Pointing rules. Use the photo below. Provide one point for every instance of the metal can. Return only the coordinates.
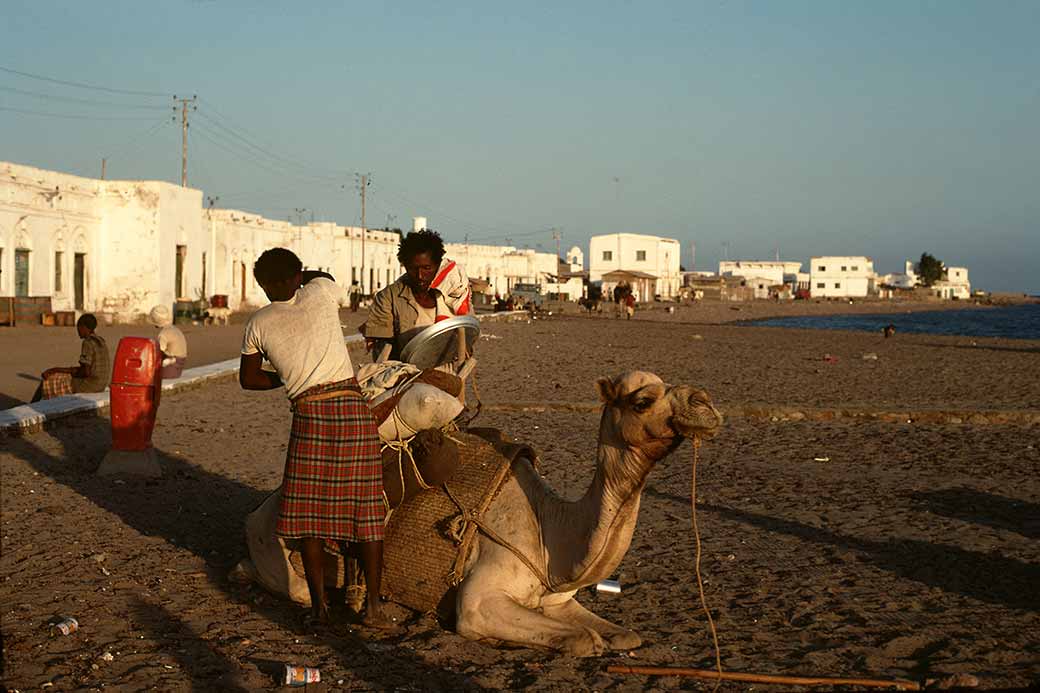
(609, 586)
(301, 676)
(65, 626)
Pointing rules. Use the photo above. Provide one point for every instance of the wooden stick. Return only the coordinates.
(898, 684)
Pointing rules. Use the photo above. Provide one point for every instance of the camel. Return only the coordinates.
(573, 544)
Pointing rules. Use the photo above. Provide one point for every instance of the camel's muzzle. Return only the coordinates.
(693, 414)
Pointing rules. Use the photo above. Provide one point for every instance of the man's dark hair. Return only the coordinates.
(276, 265)
(419, 242)
(88, 321)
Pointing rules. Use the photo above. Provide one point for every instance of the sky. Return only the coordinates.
(885, 128)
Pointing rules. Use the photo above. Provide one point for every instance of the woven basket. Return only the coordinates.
(419, 552)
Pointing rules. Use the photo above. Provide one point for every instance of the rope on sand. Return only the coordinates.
(697, 561)
(718, 674)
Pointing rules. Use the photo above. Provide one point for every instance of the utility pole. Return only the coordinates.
(184, 135)
(365, 179)
(103, 162)
(557, 235)
(693, 257)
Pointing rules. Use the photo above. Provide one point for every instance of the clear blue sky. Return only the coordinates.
(881, 128)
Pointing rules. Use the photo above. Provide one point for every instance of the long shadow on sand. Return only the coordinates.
(981, 508)
(203, 513)
(986, 347)
(988, 577)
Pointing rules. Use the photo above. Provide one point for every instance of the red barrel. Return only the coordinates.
(135, 389)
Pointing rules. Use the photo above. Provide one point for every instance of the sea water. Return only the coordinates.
(1012, 322)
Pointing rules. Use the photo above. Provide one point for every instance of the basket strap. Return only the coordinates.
(472, 521)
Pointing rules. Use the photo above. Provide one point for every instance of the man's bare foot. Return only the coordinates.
(316, 618)
(377, 618)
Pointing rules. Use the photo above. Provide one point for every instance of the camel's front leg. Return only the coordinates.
(616, 637)
(485, 614)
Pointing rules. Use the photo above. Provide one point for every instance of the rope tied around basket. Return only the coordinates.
(463, 529)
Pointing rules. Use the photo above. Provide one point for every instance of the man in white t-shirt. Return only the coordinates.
(172, 343)
(332, 489)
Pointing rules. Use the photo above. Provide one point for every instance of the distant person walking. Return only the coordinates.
(630, 305)
(172, 342)
(90, 375)
(355, 296)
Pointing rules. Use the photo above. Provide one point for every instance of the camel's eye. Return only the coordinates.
(641, 404)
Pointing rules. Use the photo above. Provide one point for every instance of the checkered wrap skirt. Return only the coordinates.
(333, 485)
(57, 385)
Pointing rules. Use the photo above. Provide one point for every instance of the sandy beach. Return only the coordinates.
(834, 548)
(29, 350)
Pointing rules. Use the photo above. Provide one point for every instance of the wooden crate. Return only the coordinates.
(7, 311)
(28, 309)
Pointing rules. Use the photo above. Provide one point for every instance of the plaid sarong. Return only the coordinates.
(57, 385)
(333, 486)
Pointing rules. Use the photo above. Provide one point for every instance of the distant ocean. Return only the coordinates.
(1013, 322)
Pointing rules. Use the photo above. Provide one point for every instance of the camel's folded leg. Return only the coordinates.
(494, 615)
(616, 637)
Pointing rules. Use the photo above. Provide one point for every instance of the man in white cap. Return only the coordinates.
(172, 343)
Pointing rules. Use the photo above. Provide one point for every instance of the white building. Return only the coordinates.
(777, 272)
(955, 285)
(654, 256)
(576, 259)
(120, 247)
(841, 277)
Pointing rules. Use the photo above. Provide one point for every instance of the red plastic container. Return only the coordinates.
(135, 389)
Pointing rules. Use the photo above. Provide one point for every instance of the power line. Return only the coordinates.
(231, 121)
(81, 85)
(69, 99)
(268, 152)
(135, 142)
(69, 116)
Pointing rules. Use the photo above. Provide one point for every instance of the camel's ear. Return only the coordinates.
(607, 390)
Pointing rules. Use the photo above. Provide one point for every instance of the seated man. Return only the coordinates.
(173, 346)
(432, 288)
(92, 373)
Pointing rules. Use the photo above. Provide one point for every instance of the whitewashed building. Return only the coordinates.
(841, 277)
(119, 247)
(576, 259)
(653, 256)
(954, 285)
(777, 272)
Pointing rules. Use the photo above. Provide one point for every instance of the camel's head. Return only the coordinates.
(647, 414)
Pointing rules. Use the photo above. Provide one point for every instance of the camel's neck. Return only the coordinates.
(599, 526)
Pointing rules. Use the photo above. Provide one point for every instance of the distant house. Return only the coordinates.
(842, 276)
(655, 259)
(777, 272)
(955, 285)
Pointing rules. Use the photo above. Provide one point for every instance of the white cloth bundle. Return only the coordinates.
(421, 406)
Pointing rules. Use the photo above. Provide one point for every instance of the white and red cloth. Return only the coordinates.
(453, 284)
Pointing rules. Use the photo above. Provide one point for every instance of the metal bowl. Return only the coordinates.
(438, 344)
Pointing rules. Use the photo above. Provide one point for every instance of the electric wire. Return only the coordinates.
(267, 152)
(81, 85)
(70, 116)
(71, 99)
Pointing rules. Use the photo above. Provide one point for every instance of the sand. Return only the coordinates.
(29, 350)
(910, 552)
